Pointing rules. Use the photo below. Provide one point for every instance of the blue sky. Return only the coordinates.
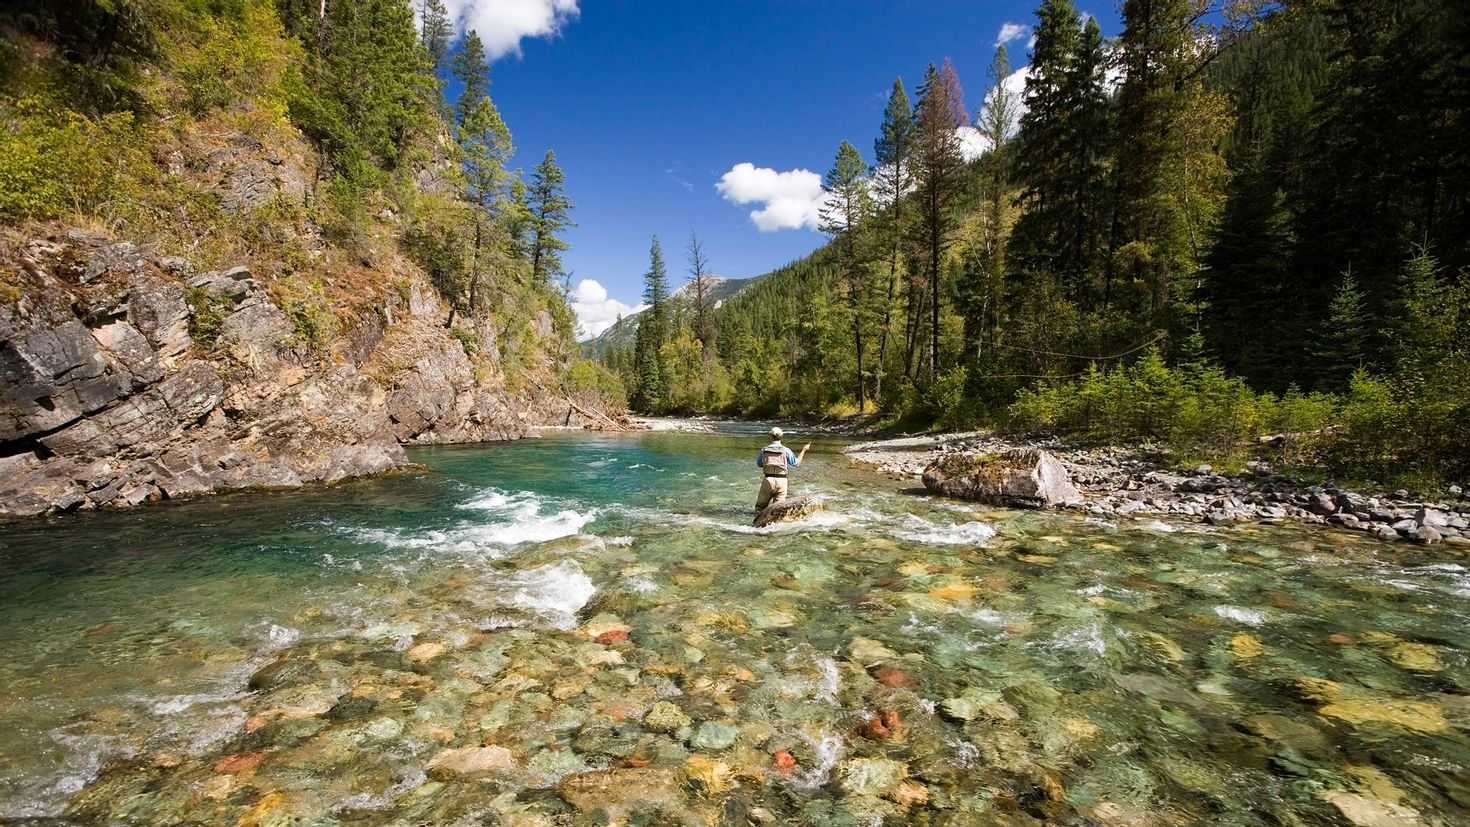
(649, 104)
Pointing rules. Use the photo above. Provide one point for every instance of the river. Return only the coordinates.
(585, 629)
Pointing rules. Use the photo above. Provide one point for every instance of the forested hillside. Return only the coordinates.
(1217, 227)
(271, 207)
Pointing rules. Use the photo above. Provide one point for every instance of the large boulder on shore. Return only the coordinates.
(1019, 478)
(785, 510)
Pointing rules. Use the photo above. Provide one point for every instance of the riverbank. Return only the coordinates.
(1120, 482)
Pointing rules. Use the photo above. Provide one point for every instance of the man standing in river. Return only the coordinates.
(775, 461)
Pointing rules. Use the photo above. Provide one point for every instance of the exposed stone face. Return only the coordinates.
(789, 509)
(157, 309)
(246, 174)
(105, 401)
(1021, 477)
(53, 369)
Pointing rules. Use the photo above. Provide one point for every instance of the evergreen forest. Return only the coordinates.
(1227, 230)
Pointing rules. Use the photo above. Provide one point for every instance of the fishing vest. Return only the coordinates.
(773, 460)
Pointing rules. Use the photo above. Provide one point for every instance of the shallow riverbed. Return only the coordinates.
(585, 629)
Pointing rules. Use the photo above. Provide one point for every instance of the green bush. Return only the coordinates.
(54, 161)
(207, 314)
(1191, 409)
(587, 379)
(467, 340)
(313, 319)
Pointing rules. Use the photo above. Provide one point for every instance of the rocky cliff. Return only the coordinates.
(127, 377)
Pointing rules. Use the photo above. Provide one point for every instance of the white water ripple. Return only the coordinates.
(512, 520)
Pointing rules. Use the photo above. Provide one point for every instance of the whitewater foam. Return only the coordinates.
(514, 519)
(1250, 617)
(920, 530)
(554, 592)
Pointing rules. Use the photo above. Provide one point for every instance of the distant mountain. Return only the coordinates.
(721, 290)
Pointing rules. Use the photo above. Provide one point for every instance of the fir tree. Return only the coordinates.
(550, 212)
(650, 393)
(435, 32)
(473, 73)
(892, 178)
(1165, 161)
(700, 284)
(982, 284)
(937, 167)
(1340, 346)
(843, 216)
(1059, 158)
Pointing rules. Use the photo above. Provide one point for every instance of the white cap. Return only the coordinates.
(775, 433)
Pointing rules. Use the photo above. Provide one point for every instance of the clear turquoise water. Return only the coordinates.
(1049, 668)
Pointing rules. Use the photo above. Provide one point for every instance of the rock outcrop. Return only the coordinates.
(108, 400)
(786, 510)
(1017, 478)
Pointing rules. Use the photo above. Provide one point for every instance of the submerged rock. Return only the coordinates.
(665, 717)
(1020, 477)
(873, 776)
(787, 510)
(619, 790)
(1363, 811)
(471, 761)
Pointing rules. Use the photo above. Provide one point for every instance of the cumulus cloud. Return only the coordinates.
(790, 200)
(1010, 32)
(973, 142)
(502, 24)
(596, 311)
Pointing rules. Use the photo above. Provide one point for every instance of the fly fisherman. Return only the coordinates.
(775, 461)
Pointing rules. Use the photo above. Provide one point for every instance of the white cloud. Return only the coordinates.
(503, 23)
(1010, 32)
(1015, 82)
(597, 312)
(973, 144)
(791, 200)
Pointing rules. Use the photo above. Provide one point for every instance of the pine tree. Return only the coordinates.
(1389, 172)
(1059, 158)
(1089, 143)
(1259, 312)
(1166, 170)
(1341, 345)
(843, 216)
(550, 211)
(650, 392)
(937, 167)
(436, 31)
(700, 282)
(892, 178)
(1252, 312)
(485, 147)
(982, 288)
(473, 72)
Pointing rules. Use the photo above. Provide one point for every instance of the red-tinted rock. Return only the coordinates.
(890, 719)
(612, 636)
(239, 762)
(255, 723)
(873, 728)
(785, 761)
(893, 678)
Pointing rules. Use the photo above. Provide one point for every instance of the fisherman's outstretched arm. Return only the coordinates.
(802, 455)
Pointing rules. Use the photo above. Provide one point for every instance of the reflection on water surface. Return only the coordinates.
(585, 629)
